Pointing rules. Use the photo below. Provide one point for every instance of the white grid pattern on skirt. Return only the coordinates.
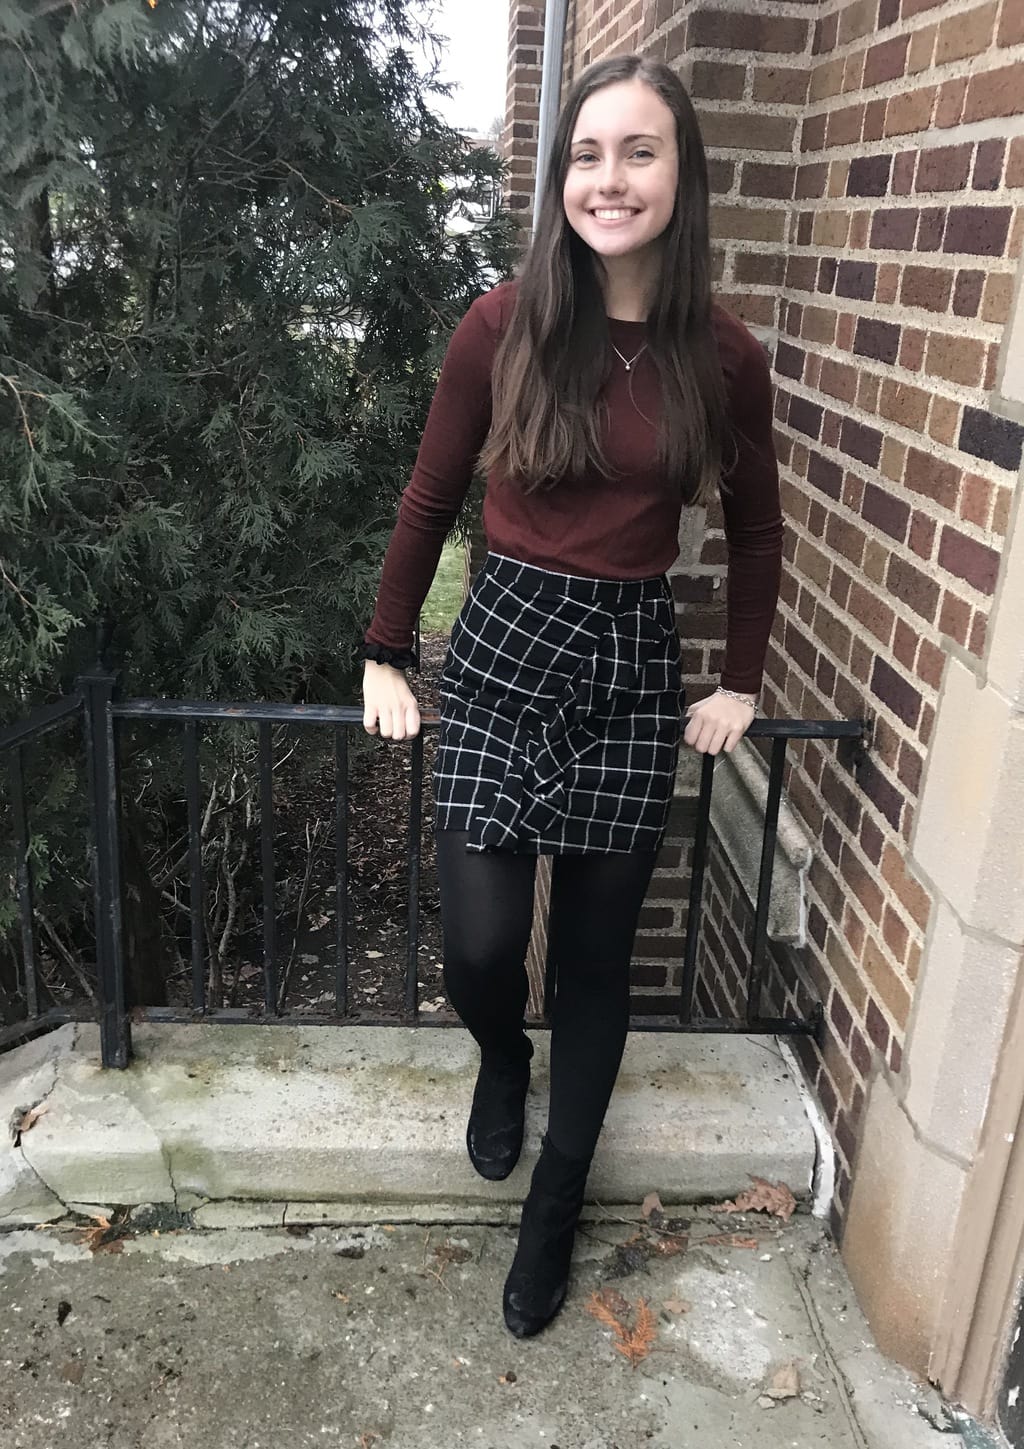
(561, 712)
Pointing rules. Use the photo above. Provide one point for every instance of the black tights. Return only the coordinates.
(486, 918)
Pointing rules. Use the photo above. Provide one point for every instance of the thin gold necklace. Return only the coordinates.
(627, 362)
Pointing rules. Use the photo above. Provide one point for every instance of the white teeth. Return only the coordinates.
(614, 215)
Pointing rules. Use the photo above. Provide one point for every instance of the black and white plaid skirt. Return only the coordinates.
(561, 712)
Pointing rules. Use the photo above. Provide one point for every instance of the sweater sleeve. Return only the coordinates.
(457, 424)
(753, 524)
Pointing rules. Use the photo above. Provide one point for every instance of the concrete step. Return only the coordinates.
(276, 1115)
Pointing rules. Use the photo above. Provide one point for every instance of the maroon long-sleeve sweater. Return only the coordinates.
(622, 528)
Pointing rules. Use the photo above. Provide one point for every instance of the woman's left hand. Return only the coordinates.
(717, 723)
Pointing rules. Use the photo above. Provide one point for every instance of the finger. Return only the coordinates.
(370, 720)
(710, 738)
(719, 735)
(412, 720)
(386, 723)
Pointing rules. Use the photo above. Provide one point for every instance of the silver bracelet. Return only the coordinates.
(750, 699)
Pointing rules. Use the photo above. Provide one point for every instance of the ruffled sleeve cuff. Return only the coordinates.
(397, 658)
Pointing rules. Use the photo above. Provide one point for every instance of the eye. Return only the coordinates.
(585, 156)
(644, 151)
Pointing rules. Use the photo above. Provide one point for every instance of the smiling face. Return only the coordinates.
(623, 170)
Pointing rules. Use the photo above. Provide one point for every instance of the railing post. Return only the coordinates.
(97, 689)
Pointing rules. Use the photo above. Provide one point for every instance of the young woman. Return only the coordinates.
(602, 391)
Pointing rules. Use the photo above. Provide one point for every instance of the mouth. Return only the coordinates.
(611, 214)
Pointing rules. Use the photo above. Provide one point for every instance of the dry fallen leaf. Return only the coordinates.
(676, 1305)
(613, 1299)
(652, 1204)
(21, 1119)
(764, 1197)
(32, 1116)
(634, 1343)
(784, 1382)
(449, 1253)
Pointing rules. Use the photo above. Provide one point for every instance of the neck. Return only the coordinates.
(629, 283)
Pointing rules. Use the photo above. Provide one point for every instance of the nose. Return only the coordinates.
(610, 181)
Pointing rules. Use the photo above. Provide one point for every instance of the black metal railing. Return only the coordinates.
(95, 702)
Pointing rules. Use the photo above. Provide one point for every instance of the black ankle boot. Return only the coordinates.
(539, 1277)
(494, 1133)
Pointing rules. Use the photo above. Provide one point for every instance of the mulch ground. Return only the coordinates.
(380, 780)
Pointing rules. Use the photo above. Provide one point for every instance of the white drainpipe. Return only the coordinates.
(550, 90)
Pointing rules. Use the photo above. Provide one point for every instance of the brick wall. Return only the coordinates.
(867, 168)
(518, 142)
(903, 242)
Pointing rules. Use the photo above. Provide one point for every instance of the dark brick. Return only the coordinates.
(824, 474)
(913, 587)
(868, 176)
(997, 440)
(827, 267)
(943, 168)
(811, 180)
(909, 768)
(880, 340)
(889, 514)
(903, 173)
(886, 62)
(872, 840)
(801, 274)
(840, 1014)
(980, 230)
(967, 293)
(718, 81)
(801, 650)
(931, 477)
(894, 227)
(880, 791)
(988, 165)
(888, 13)
(877, 1028)
(762, 178)
(931, 229)
(789, 360)
(895, 690)
(968, 559)
(812, 133)
(762, 268)
(855, 279)
(805, 416)
(693, 588)
(860, 442)
(728, 30)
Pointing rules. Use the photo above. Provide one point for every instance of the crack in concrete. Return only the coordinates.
(18, 1145)
(800, 1274)
(165, 1151)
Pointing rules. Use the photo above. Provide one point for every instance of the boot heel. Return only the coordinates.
(538, 1280)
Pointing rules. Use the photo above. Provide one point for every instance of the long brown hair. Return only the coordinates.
(552, 362)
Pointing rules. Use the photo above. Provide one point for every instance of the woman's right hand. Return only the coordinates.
(389, 707)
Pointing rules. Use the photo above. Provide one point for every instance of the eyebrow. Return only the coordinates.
(626, 140)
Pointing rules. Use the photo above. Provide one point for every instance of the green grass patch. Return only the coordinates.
(444, 601)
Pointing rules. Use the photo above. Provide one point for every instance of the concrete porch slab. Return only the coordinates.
(320, 1115)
